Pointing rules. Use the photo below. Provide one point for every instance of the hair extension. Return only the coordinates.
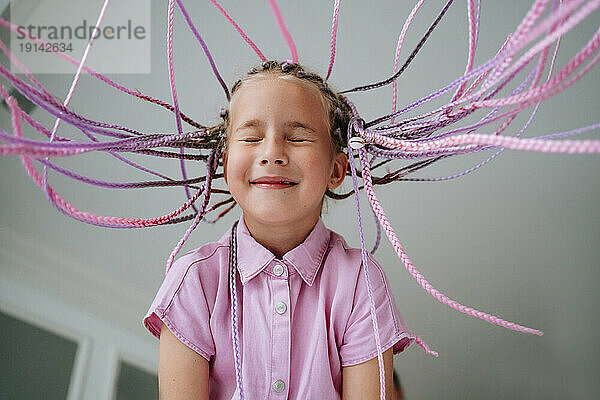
(408, 60)
(135, 93)
(234, 311)
(284, 30)
(202, 43)
(334, 26)
(240, 31)
(424, 139)
(398, 47)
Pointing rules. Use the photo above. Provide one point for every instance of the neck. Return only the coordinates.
(279, 239)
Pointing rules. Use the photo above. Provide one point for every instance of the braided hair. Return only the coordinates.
(335, 104)
(339, 111)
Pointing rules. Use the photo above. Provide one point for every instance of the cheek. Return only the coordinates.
(236, 164)
(319, 166)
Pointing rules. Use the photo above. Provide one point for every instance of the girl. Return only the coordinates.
(278, 307)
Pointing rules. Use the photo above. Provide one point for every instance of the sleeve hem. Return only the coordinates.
(152, 327)
(399, 343)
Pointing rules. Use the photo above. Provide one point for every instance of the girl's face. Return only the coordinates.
(279, 160)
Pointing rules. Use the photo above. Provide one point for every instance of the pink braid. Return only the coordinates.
(65, 206)
(365, 264)
(472, 46)
(532, 15)
(407, 23)
(240, 31)
(540, 145)
(411, 268)
(284, 30)
(211, 165)
(334, 26)
(547, 24)
(108, 81)
(549, 88)
(86, 53)
(575, 62)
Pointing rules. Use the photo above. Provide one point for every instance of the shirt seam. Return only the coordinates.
(378, 268)
(389, 344)
(354, 291)
(163, 313)
(387, 291)
(183, 339)
(179, 286)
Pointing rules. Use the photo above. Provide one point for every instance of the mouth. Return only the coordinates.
(273, 182)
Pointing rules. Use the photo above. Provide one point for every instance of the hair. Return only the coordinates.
(334, 103)
(338, 111)
(337, 107)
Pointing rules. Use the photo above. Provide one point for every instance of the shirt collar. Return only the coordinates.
(306, 258)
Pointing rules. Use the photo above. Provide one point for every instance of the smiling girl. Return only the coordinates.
(278, 308)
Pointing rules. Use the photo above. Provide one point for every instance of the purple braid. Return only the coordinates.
(234, 311)
(365, 264)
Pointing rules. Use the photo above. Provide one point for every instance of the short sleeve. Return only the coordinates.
(358, 344)
(181, 305)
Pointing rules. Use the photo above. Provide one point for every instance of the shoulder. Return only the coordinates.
(209, 256)
(344, 268)
(349, 258)
(188, 291)
(200, 269)
(204, 254)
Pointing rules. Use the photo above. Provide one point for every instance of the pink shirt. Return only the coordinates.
(303, 318)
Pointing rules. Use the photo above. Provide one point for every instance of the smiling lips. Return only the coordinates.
(273, 182)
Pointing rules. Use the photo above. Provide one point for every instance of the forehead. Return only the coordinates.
(278, 98)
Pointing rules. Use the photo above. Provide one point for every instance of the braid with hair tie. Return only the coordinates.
(340, 115)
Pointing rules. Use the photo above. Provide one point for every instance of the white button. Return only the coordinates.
(280, 307)
(278, 386)
(278, 270)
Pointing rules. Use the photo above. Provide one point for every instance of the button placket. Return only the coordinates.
(281, 331)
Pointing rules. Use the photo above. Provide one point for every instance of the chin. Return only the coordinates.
(274, 215)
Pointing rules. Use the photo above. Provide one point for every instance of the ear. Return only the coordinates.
(338, 171)
(224, 158)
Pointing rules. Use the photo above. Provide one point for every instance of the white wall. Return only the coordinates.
(52, 291)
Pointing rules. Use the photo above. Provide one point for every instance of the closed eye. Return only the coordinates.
(301, 135)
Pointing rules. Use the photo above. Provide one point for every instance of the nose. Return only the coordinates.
(273, 152)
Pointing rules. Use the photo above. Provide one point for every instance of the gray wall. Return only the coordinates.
(518, 238)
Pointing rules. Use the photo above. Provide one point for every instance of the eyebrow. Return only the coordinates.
(298, 124)
(253, 123)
